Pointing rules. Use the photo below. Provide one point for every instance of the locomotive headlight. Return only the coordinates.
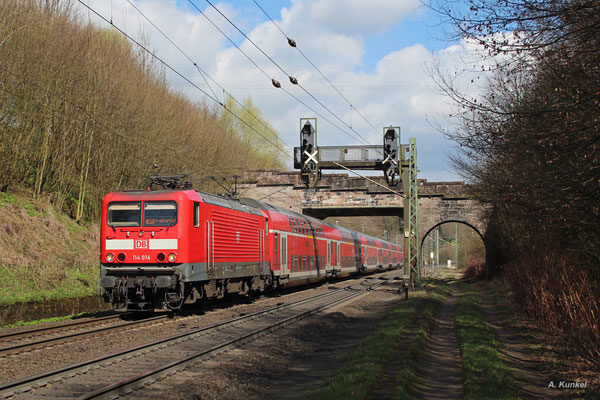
(172, 257)
(110, 257)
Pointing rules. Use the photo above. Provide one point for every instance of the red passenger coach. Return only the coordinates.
(161, 249)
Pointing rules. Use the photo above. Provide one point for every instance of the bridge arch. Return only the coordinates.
(423, 250)
(449, 222)
(342, 195)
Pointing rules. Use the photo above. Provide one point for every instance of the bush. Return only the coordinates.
(475, 269)
(554, 290)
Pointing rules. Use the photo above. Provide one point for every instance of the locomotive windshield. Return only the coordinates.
(125, 213)
(160, 213)
(155, 213)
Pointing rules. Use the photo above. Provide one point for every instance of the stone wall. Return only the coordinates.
(438, 201)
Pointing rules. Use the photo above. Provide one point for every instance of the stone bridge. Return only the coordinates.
(341, 195)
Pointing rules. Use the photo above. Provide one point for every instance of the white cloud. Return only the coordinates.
(398, 91)
(359, 16)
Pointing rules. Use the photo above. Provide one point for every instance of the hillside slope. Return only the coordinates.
(43, 253)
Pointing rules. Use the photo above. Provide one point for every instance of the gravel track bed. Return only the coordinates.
(25, 328)
(60, 355)
(283, 364)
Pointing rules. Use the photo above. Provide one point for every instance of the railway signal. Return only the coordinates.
(306, 157)
(311, 159)
(397, 161)
(390, 152)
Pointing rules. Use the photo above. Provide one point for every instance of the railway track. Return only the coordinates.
(20, 342)
(116, 374)
(10, 337)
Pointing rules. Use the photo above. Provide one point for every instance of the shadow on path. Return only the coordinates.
(532, 383)
(442, 361)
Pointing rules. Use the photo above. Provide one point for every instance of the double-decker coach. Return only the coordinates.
(161, 249)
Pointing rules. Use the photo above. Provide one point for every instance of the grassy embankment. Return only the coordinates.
(44, 254)
(485, 375)
(411, 318)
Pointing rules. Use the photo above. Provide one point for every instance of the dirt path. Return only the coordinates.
(442, 364)
(531, 381)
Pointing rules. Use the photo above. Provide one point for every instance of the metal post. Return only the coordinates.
(456, 245)
(411, 214)
(437, 247)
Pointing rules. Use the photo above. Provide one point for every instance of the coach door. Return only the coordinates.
(210, 249)
(283, 254)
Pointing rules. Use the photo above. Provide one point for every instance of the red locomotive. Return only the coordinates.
(163, 248)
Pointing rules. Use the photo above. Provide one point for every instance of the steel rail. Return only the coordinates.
(27, 383)
(140, 379)
(43, 342)
(36, 331)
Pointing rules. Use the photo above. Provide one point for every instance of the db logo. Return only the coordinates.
(141, 244)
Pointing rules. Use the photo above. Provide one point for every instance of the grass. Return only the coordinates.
(6, 198)
(24, 203)
(29, 284)
(363, 366)
(57, 319)
(44, 255)
(486, 376)
(557, 360)
(43, 320)
(408, 380)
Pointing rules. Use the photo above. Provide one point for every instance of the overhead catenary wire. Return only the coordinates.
(200, 70)
(292, 79)
(369, 179)
(248, 39)
(204, 74)
(137, 138)
(267, 75)
(293, 43)
(168, 66)
(230, 40)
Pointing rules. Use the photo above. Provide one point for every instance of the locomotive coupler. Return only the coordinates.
(139, 291)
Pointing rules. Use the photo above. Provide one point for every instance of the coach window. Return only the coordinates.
(196, 215)
(276, 242)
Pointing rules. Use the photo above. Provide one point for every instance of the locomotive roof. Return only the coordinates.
(268, 207)
(230, 203)
(252, 206)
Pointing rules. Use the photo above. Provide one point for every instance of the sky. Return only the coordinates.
(377, 53)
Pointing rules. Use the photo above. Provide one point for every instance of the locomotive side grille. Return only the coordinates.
(235, 237)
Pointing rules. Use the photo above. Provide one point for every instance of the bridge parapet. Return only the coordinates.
(341, 195)
(342, 182)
